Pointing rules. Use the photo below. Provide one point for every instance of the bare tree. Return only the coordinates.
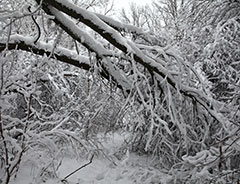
(172, 110)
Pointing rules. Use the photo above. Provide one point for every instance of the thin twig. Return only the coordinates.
(90, 161)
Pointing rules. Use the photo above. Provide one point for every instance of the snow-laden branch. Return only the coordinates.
(126, 46)
(85, 39)
(107, 32)
(121, 27)
(81, 36)
(89, 19)
(24, 43)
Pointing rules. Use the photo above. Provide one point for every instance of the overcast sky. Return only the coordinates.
(119, 4)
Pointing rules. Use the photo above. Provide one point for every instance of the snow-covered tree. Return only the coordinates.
(168, 108)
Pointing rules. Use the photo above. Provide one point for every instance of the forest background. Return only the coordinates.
(72, 74)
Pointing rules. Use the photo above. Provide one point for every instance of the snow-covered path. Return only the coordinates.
(134, 169)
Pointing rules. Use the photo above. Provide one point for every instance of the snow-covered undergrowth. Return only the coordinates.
(112, 164)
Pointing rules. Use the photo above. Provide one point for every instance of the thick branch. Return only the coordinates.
(102, 53)
(88, 18)
(121, 27)
(128, 47)
(19, 43)
(107, 32)
(64, 55)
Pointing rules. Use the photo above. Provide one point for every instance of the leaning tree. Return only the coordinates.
(171, 113)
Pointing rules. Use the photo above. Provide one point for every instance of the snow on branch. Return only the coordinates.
(119, 26)
(129, 48)
(91, 20)
(105, 31)
(122, 27)
(86, 40)
(24, 43)
(81, 36)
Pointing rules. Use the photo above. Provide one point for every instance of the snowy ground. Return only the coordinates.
(132, 169)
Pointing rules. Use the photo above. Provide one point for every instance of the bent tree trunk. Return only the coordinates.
(175, 110)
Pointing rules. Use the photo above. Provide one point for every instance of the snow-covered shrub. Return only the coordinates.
(44, 112)
(164, 102)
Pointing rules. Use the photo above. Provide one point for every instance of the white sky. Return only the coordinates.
(119, 4)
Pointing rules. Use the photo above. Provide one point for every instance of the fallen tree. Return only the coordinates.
(173, 113)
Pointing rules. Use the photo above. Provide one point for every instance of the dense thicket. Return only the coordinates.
(169, 75)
